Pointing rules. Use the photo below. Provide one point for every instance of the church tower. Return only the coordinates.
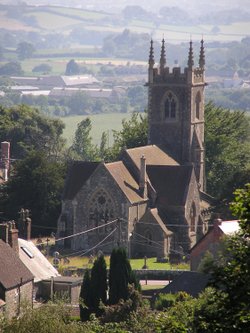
(176, 109)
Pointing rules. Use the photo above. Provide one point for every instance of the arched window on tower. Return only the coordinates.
(170, 107)
(192, 217)
(197, 105)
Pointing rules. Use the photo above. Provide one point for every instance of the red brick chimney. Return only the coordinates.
(9, 234)
(5, 159)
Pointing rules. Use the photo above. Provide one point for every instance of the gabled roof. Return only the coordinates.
(170, 182)
(125, 181)
(154, 156)
(35, 261)
(154, 214)
(78, 173)
(12, 270)
(192, 283)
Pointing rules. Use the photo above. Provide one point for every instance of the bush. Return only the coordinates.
(164, 301)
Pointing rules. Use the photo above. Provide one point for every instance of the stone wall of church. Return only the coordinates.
(98, 202)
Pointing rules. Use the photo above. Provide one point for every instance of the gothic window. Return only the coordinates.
(192, 217)
(170, 106)
(197, 105)
(101, 211)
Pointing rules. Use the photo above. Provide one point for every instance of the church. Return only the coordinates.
(152, 201)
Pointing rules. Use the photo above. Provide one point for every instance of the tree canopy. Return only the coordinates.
(36, 184)
(26, 130)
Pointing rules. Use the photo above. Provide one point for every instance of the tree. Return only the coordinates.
(79, 103)
(36, 184)
(25, 50)
(99, 283)
(72, 68)
(120, 276)
(227, 147)
(44, 68)
(82, 144)
(11, 68)
(133, 134)
(85, 301)
(228, 310)
(28, 130)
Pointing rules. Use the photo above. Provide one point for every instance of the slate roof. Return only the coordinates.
(125, 181)
(154, 156)
(12, 269)
(35, 261)
(192, 283)
(78, 173)
(170, 182)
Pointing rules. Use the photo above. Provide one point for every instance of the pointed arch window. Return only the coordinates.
(197, 105)
(192, 217)
(170, 106)
(101, 210)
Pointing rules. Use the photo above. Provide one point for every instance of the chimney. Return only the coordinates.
(24, 224)
(5, 159)
(13, 236)
(9, 234)
(142, 182)
(4, 232)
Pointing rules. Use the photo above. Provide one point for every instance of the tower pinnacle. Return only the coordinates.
(163, 56)
(151, 60)
(190, 56)
(202, 55)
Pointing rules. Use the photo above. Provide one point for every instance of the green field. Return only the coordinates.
(100, 123)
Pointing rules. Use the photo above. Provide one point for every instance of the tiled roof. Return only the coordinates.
(170, 182)
(154, 214)
(35, 261)
(125, 181)
(78, 173)
(12, 270)
(153, 154)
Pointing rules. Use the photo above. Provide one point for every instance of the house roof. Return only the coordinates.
(91, 92)
(192, 283)
(12, 269)
(125, 181)
(35, 261)
(78, 173)
(229, 227)
(170, 182)
(154, 156)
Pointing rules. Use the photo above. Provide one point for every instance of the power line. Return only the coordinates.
(82, 232)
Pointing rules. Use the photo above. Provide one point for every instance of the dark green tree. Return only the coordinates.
(85, 301)
(99, 283)
(25, 50)
(11, 68)
(227, 145)
(72, 68)
(44, 68)
(82, 144)
(120, 276)
(36, 184)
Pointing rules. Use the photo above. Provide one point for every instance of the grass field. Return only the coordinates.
(100, 123)
(83, 262)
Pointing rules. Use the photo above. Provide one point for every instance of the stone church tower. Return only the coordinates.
(176, 109)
